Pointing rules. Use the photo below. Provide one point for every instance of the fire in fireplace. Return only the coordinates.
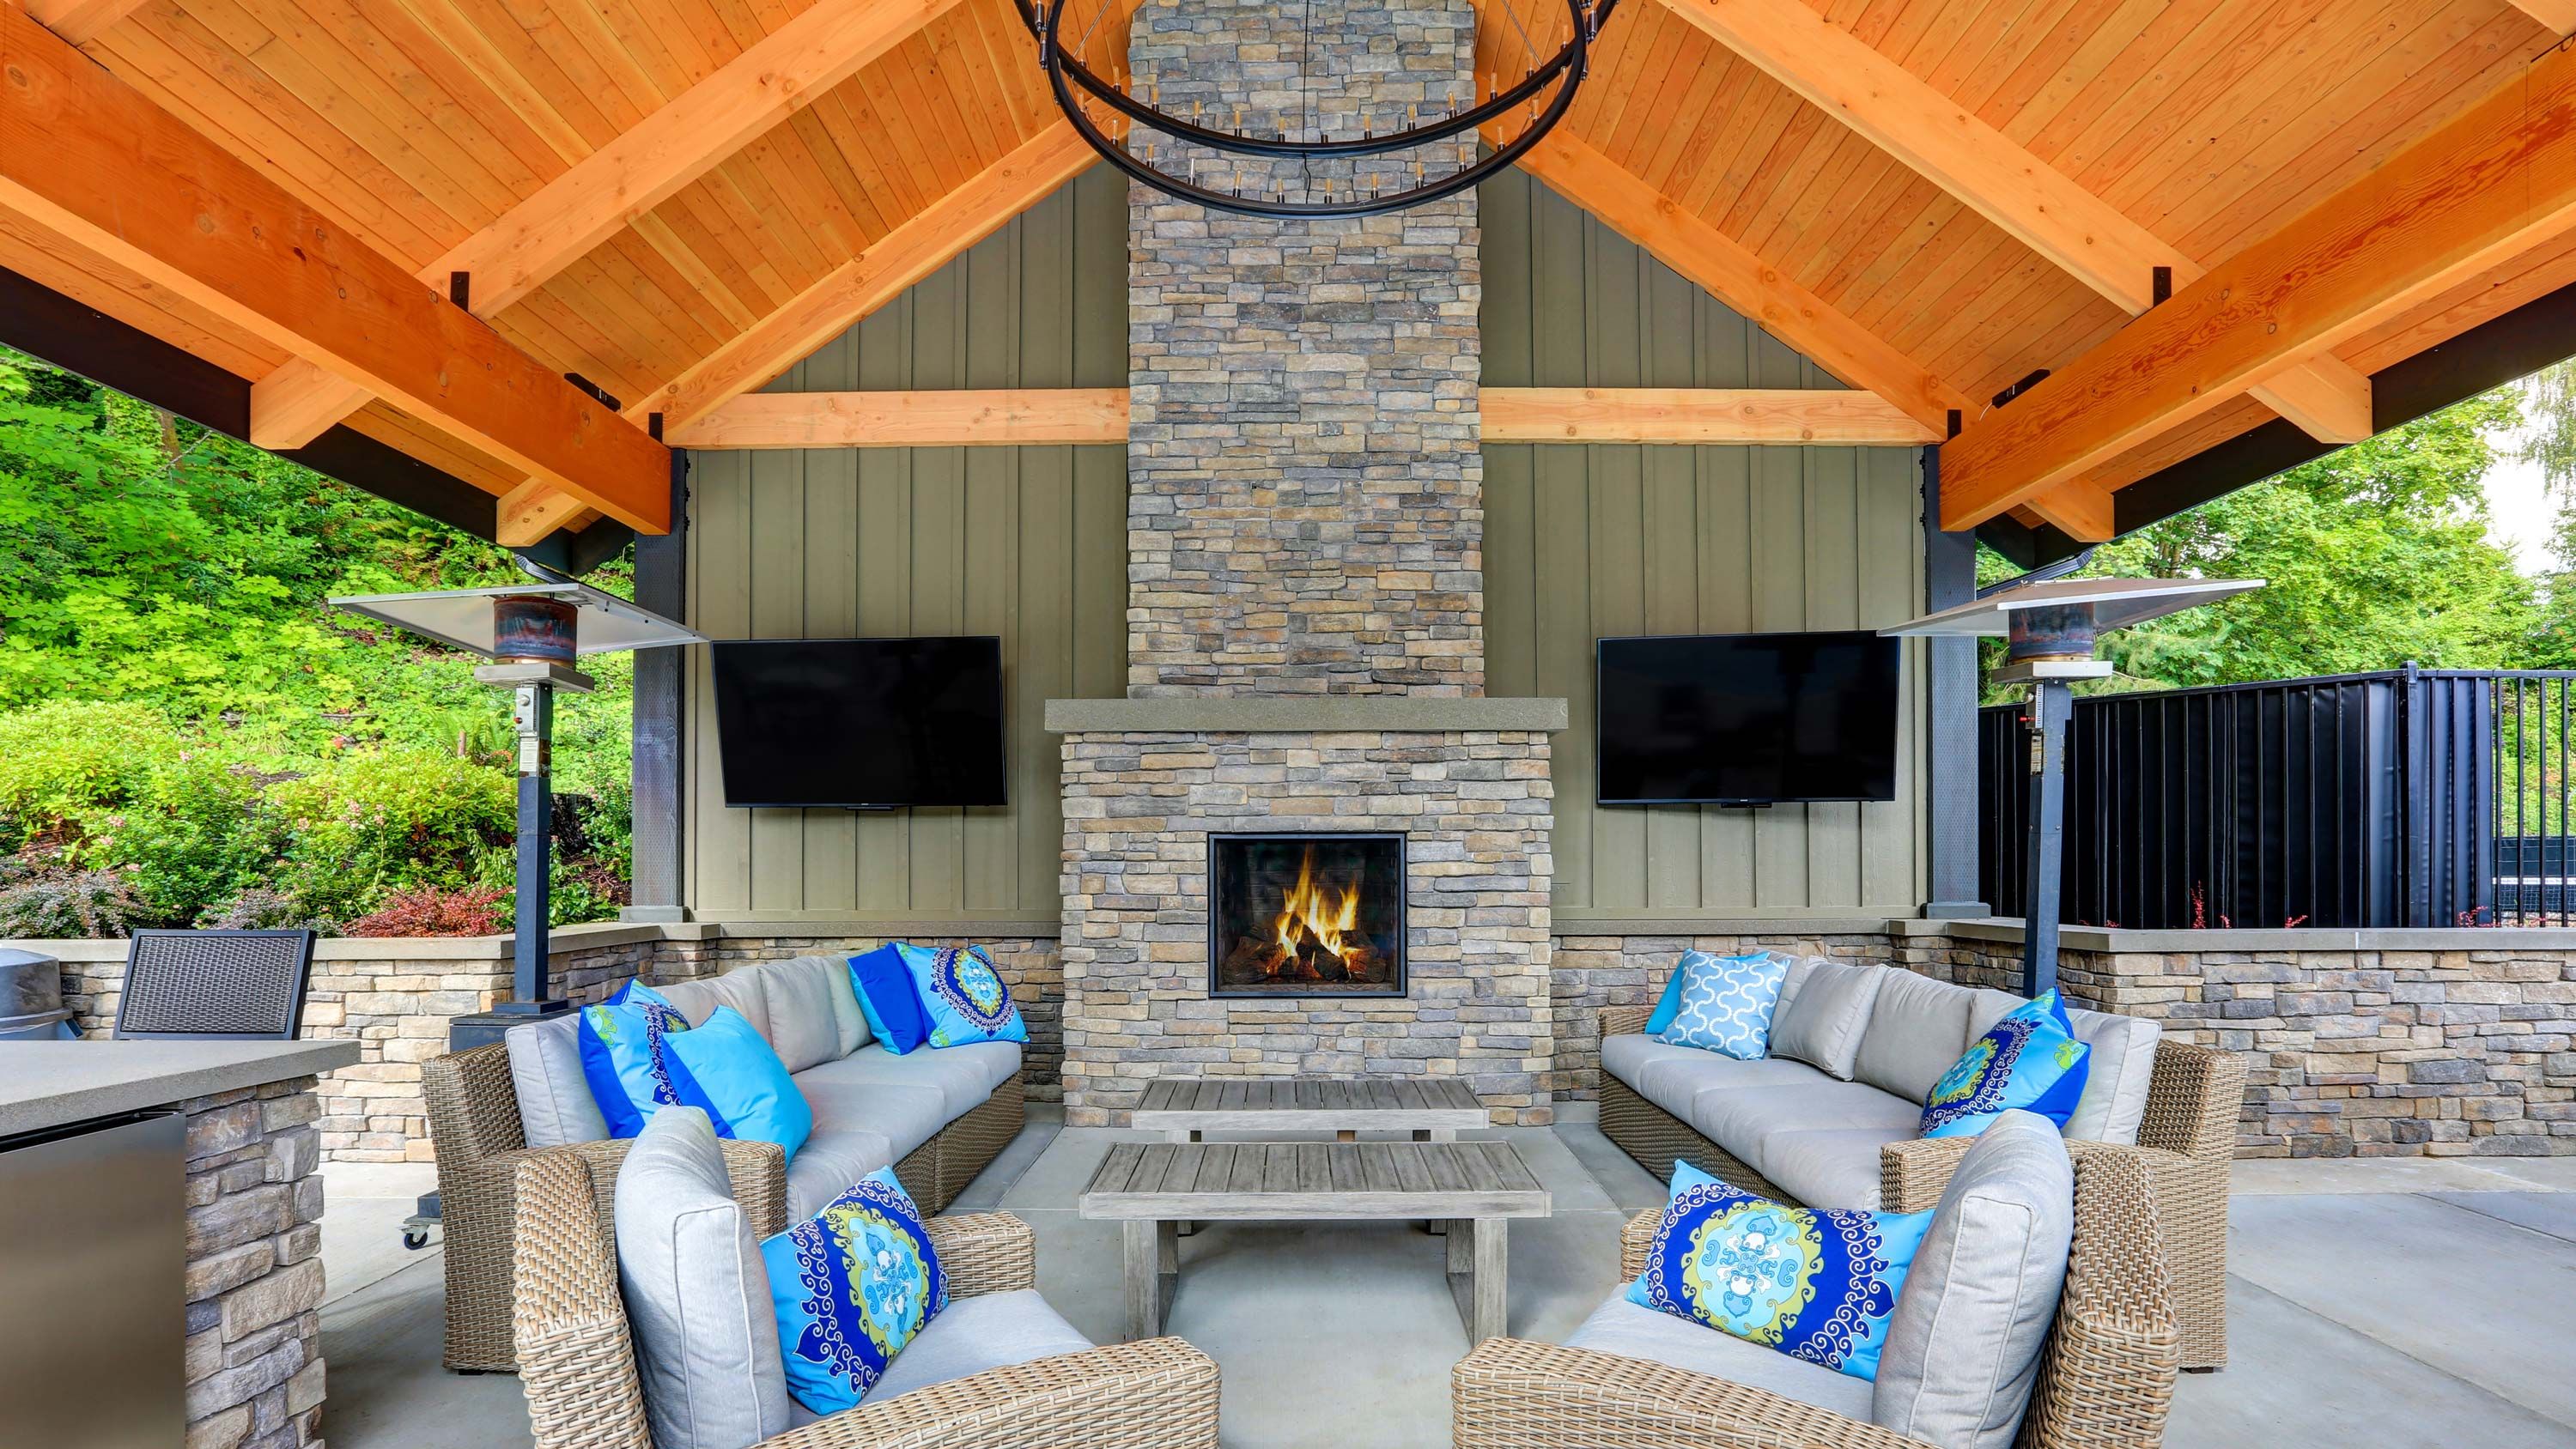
(1306, 915)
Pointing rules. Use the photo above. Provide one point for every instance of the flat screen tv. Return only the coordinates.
(1746, 719)
(860, 723)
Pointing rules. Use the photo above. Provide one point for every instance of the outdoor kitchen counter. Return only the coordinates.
(140, 1176)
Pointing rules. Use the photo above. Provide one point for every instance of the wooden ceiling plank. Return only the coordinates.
(88, 158)
(360, 64)
(1735, 276)
(2497, 180)
(584, 206)
(866, 282)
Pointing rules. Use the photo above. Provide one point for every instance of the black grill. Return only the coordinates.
(245, 984)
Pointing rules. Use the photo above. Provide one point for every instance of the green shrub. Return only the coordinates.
(389, 819)
(90, 903)
(68, 758)
(196, 835)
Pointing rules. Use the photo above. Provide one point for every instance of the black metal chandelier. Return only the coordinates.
(1077, 86)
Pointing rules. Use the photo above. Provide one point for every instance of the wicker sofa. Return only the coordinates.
(2105, 1376)
(938, 1117)
(2183, 1141)
(577, 1355)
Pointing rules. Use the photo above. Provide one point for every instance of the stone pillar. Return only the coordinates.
(254, 1285)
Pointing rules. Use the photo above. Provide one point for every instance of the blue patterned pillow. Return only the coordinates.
(1725, 1003)
(851, 1285)
(962, 996)
(1813, 1283)
(2030, 1060)
(631, 1071)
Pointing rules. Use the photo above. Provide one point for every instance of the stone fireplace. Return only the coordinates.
(1306, 653)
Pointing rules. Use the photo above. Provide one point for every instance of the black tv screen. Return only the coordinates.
(1747, 719)
(855, 723)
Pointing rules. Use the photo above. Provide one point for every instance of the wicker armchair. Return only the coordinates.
(2105, 1378)
(2184, 1145)
(577, 1361)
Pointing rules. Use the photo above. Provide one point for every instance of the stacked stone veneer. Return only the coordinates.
(1305, 509)
(1477, 810)
(254, 1279)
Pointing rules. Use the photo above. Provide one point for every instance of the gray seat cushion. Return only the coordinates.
(1822, 1024)
(1963, 1346)
(1830, 1167)
(828, 1164)
(963, 1076)
(797, 997)
(905, 1116)
(1917, 1029)
(697, 1294)
(1631, 1331)
(1672, 1077)
(971, 1335)
(555, 1105)
(1817, 1141)
(2122, 1066)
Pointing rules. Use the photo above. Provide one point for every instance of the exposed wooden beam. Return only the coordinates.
(1696, 415)
(2079, 508)
(2497, 179)
(1018, 417)
(1727, 270)
(2558, 15)
(2039, 206)
(572, 215)
(912, 251)
(80, 21)
(95, 163)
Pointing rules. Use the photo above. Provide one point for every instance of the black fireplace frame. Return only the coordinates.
(1217, 990)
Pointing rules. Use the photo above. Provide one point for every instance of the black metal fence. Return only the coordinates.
(2407, 798)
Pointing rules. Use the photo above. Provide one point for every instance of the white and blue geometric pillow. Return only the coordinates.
(850, 1286)
(623, 1058)
(962, 996)
(1813, 1283)
(2030, 1060)
(1725, 1003)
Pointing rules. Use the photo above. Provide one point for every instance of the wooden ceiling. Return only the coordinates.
(676, 198)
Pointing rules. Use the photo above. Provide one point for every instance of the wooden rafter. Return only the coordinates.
(1019, 417)
(570, 216)
(79, 21)
(1739, 278)
(2497, 180)
(1987, 171)
(2558, 15)
(101, 167)
(912, 251)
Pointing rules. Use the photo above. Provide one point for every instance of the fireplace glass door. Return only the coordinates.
(1306, 915)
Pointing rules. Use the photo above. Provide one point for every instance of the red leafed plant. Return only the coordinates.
(474, 911)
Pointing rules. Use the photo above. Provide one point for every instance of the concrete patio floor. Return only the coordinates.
(2399, 1303)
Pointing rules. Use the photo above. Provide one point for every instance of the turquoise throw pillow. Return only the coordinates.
(2029, 1060)
(754, 1098)
(1813, 1283)
(626, 1058)
(851, 1285)
(887, 998)
(962, 996)
(1725, 1004)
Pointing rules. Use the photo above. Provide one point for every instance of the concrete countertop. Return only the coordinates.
(51, 1083)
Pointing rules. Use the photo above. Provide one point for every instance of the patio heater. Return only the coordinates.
(2049, 630)
(532, 633)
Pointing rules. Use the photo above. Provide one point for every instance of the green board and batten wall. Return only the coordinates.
(1030, 543)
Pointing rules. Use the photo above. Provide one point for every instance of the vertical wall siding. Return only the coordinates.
(1587, 541)
(1026, 543)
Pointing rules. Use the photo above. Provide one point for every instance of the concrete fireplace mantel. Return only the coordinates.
(1320, 714)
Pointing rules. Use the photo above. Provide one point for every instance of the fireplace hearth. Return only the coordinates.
(1317, 914)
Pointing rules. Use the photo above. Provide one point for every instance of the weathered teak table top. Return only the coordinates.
(1438, 1106)
(1475, 1187)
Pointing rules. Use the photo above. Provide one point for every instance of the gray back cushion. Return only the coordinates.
(2116, 1077)
(740, 989)
(697, 1293)
(1916, 1032)
(555, 1105)
(1822, 1024)
(846, 1013)
(798, 997)
(1963, 1346)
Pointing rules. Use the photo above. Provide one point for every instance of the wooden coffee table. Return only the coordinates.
(1434, 1109)
(1476, 1187)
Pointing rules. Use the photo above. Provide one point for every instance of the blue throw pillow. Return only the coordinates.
(851, 1285)
(625, 1056)
(2030, 1060)
(742, 1075)
(1813, 1283)
(1670, 1002)
(962, 996)
(1726, 1002)
(887, 997)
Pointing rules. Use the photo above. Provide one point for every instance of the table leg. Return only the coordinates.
(1167, 1268)
(1492, 1279)
(1143, 1285)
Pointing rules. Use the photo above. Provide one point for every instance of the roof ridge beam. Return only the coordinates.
(636, 171)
